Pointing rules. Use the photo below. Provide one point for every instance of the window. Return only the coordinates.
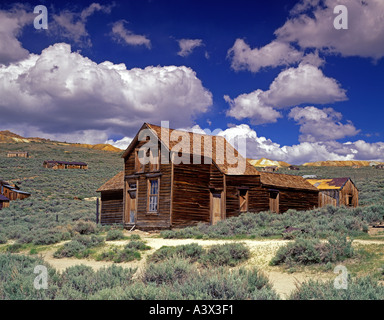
(139, 167)
(153, 195)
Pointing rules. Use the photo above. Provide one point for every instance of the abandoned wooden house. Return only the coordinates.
(293, 168)
(12, 192)
(112, 209)
(53, 164)
(379, 166)
(270, 169)
(4, 202)
(18, 154)
(336, 192)
(186, 181)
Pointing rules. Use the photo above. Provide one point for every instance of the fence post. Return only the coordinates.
(97, 211)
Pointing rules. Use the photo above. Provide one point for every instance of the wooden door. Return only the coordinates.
(274, 201)
(216, 208)
(131, 208)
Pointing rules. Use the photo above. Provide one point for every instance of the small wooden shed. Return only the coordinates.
(12, 192)
(380, 166)
(270, 169)
(336, 192)
(112, 208)
(53, 164)
(18, 154)
(4, 202)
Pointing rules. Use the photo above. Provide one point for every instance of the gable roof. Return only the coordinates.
(220, 146)
(114, 184)
(329, 184)
(285, 181)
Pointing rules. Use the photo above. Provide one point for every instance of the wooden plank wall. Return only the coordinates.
(111, 207)
(297, 199)
(191, 193)
(144, 219)
(258, 199)
(349, 189)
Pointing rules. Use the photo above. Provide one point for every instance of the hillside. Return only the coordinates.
(351, 163)
(10, 137)
(264, 162)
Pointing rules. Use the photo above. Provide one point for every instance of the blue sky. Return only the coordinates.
(277, 73)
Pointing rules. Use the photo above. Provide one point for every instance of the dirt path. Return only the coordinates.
(262, 252)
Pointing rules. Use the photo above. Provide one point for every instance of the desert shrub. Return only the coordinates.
(191, 251)
(17, 278)
(312, 251)
(168, 271)
(84, 227)
(135, 237)
(137, 245)
(365, 288)
(114, 235)
(79, 247)
(47, 237)
(126, 255)
(13, 248)
(3, 238)
(229, 254)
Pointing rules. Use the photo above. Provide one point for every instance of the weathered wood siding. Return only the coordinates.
(258, 199)
(297, 199)
(339, 197)
(191, 193)
(349, 189)
(329, 197)
(111, 207)
(144, 219)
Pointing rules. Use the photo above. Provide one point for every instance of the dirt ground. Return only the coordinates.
(262, 252)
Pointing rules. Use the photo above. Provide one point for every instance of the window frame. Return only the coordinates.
(149, 195)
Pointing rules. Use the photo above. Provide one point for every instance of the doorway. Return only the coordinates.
(130, 214)
(216, 207)
(274, 198)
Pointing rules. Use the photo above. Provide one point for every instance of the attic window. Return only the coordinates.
(139, 167)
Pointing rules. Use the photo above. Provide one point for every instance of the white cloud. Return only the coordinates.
(250, 106)
(258, 147)
(121, 144)
(311, 26)
(11, 25)
(273, 54)
(293, 86)
(62, 92)
(188, 45)
(71, 25)
(122, 35)
(321, 124)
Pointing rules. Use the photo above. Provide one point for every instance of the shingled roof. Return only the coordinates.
(114, 184)
(285, 181)
(220, 146)
(328, 184)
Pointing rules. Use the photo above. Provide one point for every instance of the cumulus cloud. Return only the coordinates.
(71, 25)
(11, 25)
(125, 36)
(311, 26)
(273, 54)
(188, 45)
(321, 124)
(121, 144)
(293, 86)
(62, 92)
(258, 147)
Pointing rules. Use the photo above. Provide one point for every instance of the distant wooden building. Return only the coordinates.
(4, 202)
(379, 166)
(18, 154)
(270, 169)
(112, 192)
(293, 168)
(184, 189)
(12, 192)
(336, 192)
(53, 164)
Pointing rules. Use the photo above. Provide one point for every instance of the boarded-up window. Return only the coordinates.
(153, 195)
(274, 201)
(243, 200)
(215, 207)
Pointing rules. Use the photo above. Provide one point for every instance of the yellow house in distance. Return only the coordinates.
(336, 192)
